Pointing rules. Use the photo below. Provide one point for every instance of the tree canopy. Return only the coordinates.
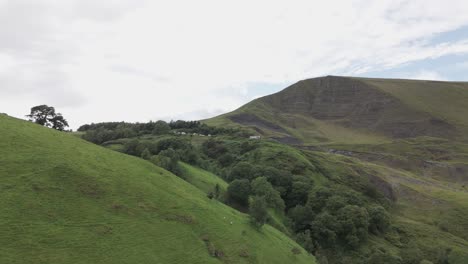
(45, 115)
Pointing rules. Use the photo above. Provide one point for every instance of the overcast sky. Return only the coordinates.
(97, 60)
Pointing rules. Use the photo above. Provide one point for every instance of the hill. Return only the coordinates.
(356, 110)
(374, 171)
(405, 138)
(64, 200)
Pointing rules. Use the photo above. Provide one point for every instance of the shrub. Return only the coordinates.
(146, 154)
(261, 187)
(258, 210)
(296, 251)
(239, 191)
(379, 220)
(242, 170)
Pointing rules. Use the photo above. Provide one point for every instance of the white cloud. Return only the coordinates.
(427, 75)
(140, 60)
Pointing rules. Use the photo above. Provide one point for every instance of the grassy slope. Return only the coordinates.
(202, 179)
(445, 100)
(427, 212)
(64, 200)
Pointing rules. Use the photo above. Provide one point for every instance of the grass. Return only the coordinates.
(202, 179)
(64, 200)
(445, 100)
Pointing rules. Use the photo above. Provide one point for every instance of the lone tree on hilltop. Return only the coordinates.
(45, 115)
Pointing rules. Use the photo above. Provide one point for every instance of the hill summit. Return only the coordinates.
(344, 109)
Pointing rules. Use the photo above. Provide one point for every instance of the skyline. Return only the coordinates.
(149, 60)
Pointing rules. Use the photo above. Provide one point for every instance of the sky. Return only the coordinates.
(136, 60)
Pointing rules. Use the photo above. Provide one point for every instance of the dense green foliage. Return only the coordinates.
(103, 132)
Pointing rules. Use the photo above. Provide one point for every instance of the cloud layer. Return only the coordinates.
(141, 60)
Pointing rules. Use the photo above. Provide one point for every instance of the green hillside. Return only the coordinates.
(64, 200)
(406, 139)
(202, 179)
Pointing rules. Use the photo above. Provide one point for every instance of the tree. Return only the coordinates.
(379, 220)
(354, 224)
(242, 170)
(239, 191)
(169, 160)
(301, 217)
(45, 115)
(146, 154)
(324, 229)
(133, 147)
(161, 127)
(305, 240)
(261, 187)
(258, 210)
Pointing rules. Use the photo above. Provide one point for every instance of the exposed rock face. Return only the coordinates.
(352, 103)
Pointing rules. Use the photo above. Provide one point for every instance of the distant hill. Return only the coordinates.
(64, 200)
(356, 110)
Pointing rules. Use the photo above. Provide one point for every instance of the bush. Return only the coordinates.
(133, 147)
(379, 220)
(238, 191)
(161, 128)
(324, 230)
(242, 170)
(261, 187)
(213, 148)
(258, 210)
(146, 154)
(169, 160)
(305, 240)
(301, 217)
(354, 224)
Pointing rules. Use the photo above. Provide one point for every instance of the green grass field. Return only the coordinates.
(64, 200)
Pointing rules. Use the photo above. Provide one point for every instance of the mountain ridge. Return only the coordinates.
(374, 108)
